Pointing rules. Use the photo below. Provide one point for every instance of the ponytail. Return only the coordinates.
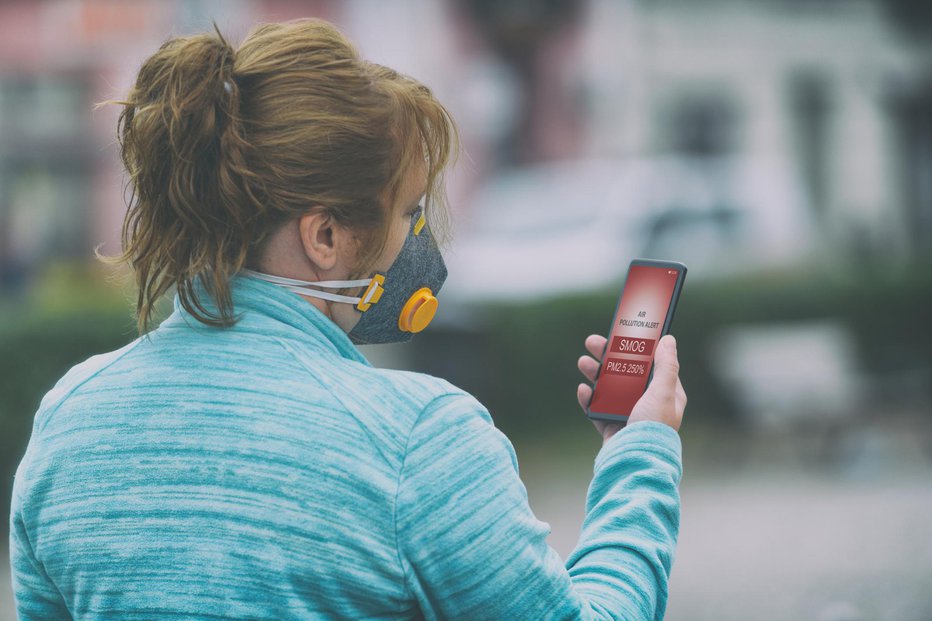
(183, 148)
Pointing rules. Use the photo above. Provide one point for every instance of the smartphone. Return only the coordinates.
(643, 315)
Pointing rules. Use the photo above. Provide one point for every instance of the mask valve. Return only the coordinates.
(418, 311)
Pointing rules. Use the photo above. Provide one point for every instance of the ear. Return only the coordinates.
(321, 239)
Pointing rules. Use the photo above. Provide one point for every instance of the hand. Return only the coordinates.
(663, 401)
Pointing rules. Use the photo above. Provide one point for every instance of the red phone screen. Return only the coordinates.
(638, 326)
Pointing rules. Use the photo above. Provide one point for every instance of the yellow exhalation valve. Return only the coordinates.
(418, 311)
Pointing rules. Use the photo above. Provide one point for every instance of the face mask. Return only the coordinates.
(395, 305)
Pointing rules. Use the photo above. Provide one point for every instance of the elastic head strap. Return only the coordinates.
(302, 287)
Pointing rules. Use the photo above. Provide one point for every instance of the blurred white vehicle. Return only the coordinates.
(538, 231)
(561, 227)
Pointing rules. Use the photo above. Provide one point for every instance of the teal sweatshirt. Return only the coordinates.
(269, 471)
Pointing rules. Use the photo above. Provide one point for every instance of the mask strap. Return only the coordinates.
(300, 286)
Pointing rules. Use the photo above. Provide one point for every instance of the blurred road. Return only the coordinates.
(779, 540)
(773, 541)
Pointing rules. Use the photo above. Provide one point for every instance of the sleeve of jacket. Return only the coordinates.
(471, 547)
(35, 595)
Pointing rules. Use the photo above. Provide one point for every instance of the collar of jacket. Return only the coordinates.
(266, 301)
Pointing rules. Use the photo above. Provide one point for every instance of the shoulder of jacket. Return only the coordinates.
(361, 387)
(416, 394)
(419, 389)
(75, 377)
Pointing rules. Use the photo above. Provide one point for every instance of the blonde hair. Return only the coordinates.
(222, 146)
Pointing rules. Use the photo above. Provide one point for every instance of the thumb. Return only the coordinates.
(666, 367)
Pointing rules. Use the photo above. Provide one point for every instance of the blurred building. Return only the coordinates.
(60, 179)
(832, 95)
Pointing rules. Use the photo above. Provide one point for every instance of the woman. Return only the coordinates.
(243, 460)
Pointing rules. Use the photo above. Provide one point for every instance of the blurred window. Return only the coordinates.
(43, 106)
(811, 104)
(47, 162)
(911, 107)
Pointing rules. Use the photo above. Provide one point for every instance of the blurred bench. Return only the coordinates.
(797, 380)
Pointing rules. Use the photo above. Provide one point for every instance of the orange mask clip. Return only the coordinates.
(373, 293)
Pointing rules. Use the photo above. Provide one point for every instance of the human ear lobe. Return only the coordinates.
(318, 239)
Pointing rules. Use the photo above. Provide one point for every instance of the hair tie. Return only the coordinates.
(227, 86)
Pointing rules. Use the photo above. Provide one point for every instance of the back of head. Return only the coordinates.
(224, 145)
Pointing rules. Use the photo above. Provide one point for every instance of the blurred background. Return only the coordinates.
(782, 149)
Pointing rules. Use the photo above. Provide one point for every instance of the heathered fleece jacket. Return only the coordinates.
(269, 471)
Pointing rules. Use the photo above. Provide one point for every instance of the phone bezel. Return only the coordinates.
(674, 299)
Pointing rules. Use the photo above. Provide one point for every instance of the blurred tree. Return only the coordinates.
(519, 31)
(912, 18)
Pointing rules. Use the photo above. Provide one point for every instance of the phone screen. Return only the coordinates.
(638, 325)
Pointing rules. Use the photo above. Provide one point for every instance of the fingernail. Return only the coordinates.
(671, 343)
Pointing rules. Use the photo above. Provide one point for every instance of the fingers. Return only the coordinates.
(666, 367)
(595, 345)
(588, 366)
(680, 396)
(583, 395)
